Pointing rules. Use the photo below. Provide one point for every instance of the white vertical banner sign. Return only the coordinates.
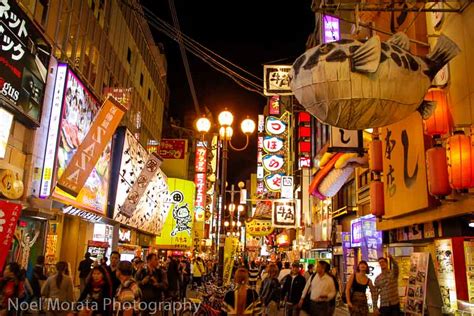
(243, 196)
(151, 168)
(287, 187)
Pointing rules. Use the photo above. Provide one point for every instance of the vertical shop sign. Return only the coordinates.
(9, 214)
(200, 179)
(371, 242)
(89, 151)
(230, 250)
(469, 255)
(53, 132)
(445, 272)
(404, 167)
(274, 105)
(348, 255)
(151, 168)
(276, 80)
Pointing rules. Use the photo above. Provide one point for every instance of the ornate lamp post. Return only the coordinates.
(203, 125)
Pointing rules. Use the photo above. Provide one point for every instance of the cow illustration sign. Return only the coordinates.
(177, 229)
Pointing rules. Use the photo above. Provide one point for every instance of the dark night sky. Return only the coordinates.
(248, 33)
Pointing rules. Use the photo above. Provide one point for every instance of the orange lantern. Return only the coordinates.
(375, 155)
(460, 161)
(437, 170)
(438, 123)
(377, 204)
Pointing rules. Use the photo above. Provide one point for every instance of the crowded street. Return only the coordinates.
(209, 158)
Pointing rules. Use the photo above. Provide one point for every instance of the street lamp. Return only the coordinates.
(203, 125)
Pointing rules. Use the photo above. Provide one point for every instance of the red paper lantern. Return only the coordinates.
(377, 204)
(438, 123)
(437, 170)
(375, 155)
(460, 161)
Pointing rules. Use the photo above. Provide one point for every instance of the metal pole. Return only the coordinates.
(220, 279)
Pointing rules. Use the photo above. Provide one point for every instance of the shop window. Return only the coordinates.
(141, 80)
(129, 55)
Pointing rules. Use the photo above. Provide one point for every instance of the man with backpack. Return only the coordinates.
(293, 286)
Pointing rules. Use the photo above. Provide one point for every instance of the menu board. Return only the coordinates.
(403, 277)
(445, 272)
(418, 276)
(469, 255)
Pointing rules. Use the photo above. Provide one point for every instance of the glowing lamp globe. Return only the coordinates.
(248, 126)
(225, 118)
(203, 125)
(226, 132)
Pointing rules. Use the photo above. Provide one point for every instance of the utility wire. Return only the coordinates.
(198, 50)
(184, 57)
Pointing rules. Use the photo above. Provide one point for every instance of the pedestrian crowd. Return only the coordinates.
(138, 287)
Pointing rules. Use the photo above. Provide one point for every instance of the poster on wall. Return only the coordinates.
(417, 281)
(469, 255)
(129, 160)
(177, 232)
(24, 58)
(78, 110)
(445, 272)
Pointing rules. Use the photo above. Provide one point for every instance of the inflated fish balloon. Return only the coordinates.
(355, 85)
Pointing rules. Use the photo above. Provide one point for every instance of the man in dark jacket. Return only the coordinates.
(85, 267)
(153, 282)
(293, 286)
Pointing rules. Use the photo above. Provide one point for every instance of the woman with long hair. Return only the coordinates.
(270, 293)
(11, 288)
(356, 288)
(58, 288)
(96, 292)
(243, 300)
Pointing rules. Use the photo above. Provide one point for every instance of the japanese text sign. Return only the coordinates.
(9, 215)
(173, 148)
(331, 31)
(284, 213)
(345, 140)
(201, 158)
(276, 80)
(404, 167)
(89, 151)
(24, 59)
(259, 227)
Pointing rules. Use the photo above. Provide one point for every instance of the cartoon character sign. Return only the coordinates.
(355, 85)
(181, 214)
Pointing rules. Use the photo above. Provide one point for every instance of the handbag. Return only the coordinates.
(307, 299)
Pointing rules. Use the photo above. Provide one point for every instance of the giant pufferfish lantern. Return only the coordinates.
(354, 85)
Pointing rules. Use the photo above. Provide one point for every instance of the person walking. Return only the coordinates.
(386, 285)
(84, 269)
(198, 271)
(172, 273)
(356, 289)
(185, 278)
(309, 272)
(152, 281)
(112, 268)
(11, 288)
(243, 300)
(253, 275)
(97, 291)
(59, 288)
(293, 286)
(128, 297)
(284, 272)
(321, 290)
(270, 293)
(38, 278)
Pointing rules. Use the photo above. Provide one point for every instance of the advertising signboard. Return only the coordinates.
(24, 58)
(177, 229)
(79, 109)
(129, 160)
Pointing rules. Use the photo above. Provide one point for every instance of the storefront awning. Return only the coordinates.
(463, 204)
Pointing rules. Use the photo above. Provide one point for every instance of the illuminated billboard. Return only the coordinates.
(73, 111)
(129, 160)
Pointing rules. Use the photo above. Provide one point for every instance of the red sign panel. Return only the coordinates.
(9, 214)
(173, 148)
(274, 105)
(201, 159)
(200, 203)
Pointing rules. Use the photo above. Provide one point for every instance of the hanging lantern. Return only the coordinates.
(375, 155)
(437, 170)
(438, 123)
(460, 161)
(377, 204)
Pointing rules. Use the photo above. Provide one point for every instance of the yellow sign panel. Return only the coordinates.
(230, 249)
(404, 167)
(259, 227)
(177, 232)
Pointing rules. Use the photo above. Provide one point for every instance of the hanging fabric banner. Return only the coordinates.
(9, 215)
(230, 249)
(151, 168)
(89, 151)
